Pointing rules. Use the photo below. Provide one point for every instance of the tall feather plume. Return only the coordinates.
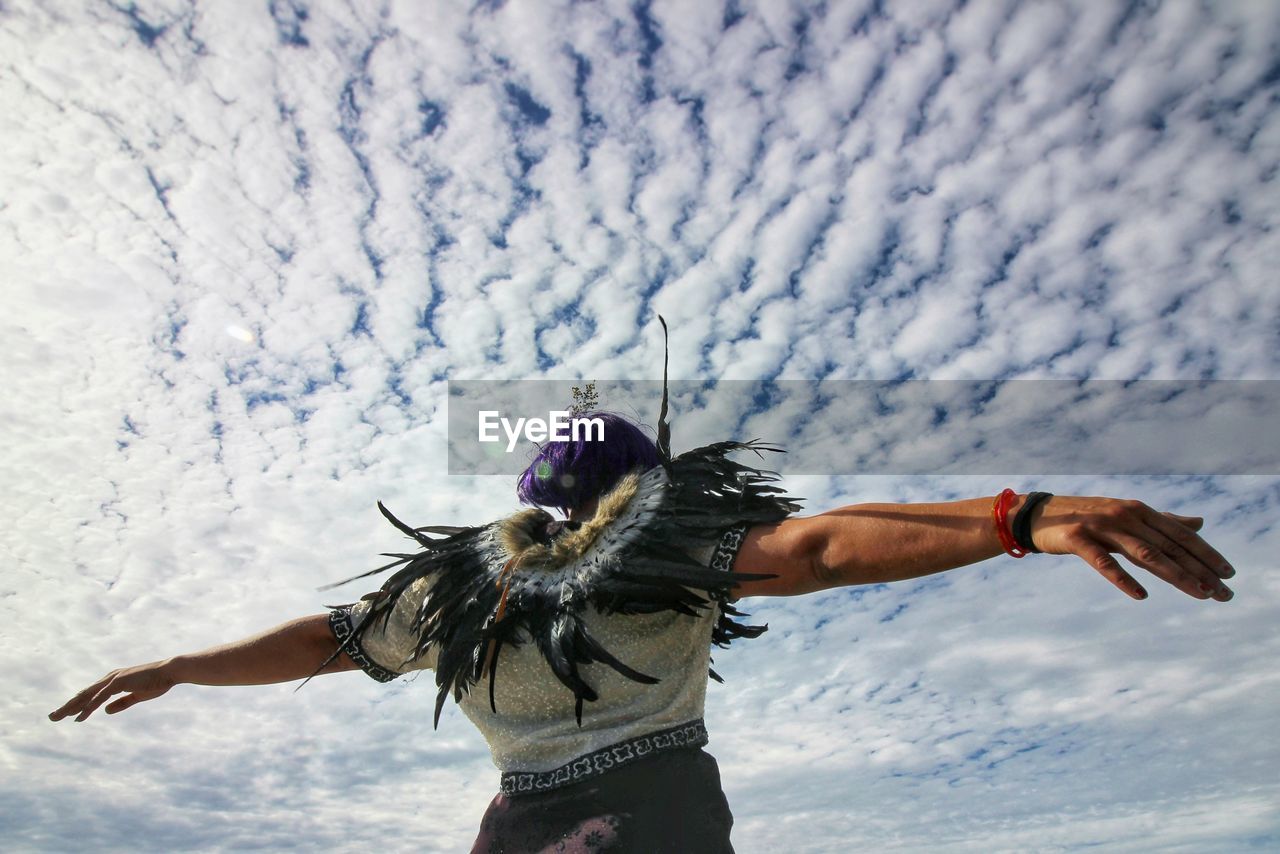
(664, 429)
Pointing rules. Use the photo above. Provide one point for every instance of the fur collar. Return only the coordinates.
(523, 535)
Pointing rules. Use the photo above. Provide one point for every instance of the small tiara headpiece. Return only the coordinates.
(584, 399)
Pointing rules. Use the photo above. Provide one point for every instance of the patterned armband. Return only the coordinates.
(340, 623)
(726, 551)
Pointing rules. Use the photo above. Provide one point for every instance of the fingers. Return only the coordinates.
(130, 700)
(1170, 547)
(104, 694)
(1165, 544)
(1185, 538)
(1199, 576)
(77, 703)
(122, 703)
(1109, 568)
(144, 682)
(87, 701)
(1165, 559)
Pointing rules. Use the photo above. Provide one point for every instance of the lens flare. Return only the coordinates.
(240, 334)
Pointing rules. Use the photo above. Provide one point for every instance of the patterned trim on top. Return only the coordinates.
(727, 549)
(692, 734)
(340, 625)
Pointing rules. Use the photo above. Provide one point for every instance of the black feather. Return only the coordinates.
(493, 669)
(700, 494)
(425, 541)
(664, 429)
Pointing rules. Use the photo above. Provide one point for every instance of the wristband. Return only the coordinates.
(1022, 521)
(1000, 514)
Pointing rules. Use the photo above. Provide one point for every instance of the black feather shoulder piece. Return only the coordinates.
(530, 579)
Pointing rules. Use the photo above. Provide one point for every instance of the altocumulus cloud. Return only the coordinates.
(245, 244)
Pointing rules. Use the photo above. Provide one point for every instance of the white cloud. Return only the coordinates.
(365, 197)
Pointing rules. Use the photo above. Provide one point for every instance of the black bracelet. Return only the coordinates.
(1021, 526)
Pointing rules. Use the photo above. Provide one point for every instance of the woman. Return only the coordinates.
(585, 640)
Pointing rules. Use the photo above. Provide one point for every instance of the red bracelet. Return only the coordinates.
(1000, 513)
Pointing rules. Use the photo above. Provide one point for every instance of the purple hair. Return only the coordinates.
(565, 475)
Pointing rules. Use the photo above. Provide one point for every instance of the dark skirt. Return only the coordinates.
(671, 801)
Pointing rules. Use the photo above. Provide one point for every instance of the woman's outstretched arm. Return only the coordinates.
(293, 650)
(878, 543)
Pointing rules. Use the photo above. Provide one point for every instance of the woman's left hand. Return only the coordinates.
(1164, 544)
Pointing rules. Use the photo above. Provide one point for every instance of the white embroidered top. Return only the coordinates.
(533, 736)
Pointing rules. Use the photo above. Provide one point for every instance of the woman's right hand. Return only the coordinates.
(1165, 544)
(144, 682)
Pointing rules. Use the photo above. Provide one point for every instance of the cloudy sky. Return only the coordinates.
(244, 246)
